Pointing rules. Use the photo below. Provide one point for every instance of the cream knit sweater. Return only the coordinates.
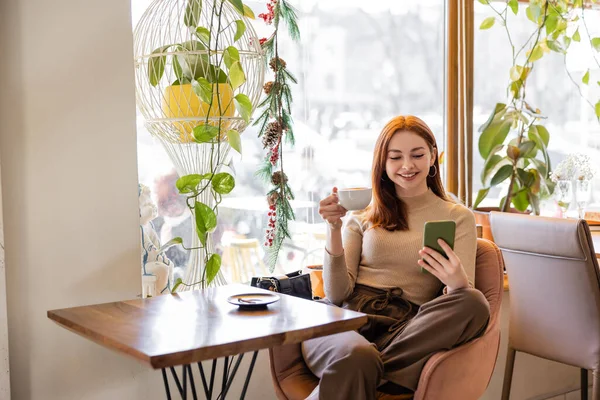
(385, 260)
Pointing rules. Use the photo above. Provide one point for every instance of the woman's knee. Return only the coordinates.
(358, 359)
(474, 304)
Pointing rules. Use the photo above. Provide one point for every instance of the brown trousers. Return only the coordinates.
(396, 342)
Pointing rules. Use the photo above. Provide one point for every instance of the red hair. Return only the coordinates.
(387, 210)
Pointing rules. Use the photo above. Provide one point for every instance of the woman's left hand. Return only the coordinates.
(450, 271)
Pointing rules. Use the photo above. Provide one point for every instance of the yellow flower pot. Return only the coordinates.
(180, 101)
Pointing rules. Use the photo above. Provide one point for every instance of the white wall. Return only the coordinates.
(68, 151)
(69, 178)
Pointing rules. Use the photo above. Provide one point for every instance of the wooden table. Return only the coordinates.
(596, 240)
(185, 328)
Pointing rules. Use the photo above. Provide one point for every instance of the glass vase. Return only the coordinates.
(564, 195)
(583, 194)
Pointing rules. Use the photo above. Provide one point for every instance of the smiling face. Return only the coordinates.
(409, 159)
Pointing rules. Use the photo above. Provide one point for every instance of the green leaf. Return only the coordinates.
(192, 13)
(493, 136)
(520, 200)
(223, 183)
(488, 166)
(597, 108)
(596, 43)
(555, 46)
(243, 105)
(172, 242)
(177, 70)
(543, 133)
(480, 196)
(536, 54)
(156, 65)
(188, 183)
(239, 6)
(236, 75)
(535, 203)
(567, 41)
(248, 12)
(235, 141)
(240, 29)
(502, 174)
(535, 136)
(497, 109)
(540, 167)
(576, 36)
(586, 77)
(514, 6)
(527, 149)
(533, 12)
(206, 220)
(487, 23)
(231, 55)
(213, 265)
(527, 178)
(515, 72)
(485, 2)
(203, 90)
(203, 34)
(178, 282)
(551, 23)
(205, 133)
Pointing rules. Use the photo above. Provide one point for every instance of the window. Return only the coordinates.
(358, 65)
(570, 120)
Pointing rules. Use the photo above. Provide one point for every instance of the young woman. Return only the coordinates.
(373, 265)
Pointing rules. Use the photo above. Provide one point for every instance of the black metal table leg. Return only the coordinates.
(230, 369)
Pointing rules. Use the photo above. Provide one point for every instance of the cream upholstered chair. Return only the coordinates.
(462, 373)
(554, 292)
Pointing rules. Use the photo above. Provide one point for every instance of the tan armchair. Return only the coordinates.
(554, 292)
(462, 373)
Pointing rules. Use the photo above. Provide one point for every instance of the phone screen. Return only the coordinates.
(435, 230)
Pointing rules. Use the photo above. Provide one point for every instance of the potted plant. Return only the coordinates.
(199, 78)
(514, 140)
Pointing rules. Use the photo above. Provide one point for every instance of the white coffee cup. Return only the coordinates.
(355, 198)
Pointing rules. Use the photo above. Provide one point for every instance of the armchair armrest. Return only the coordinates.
(443, 376)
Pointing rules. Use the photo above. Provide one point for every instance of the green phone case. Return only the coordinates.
(435, 230)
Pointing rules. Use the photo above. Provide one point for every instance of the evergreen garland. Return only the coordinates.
(275, 123)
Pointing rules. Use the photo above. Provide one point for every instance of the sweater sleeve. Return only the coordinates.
(465, 241)
(340, 271)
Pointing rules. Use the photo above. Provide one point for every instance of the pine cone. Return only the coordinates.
(272, 134)
(268, 87)
(272, 198)
(273, 63)
(278, 178)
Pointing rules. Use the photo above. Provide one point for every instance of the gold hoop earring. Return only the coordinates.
(434, 173)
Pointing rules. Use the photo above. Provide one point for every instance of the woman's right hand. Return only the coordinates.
(331, 211)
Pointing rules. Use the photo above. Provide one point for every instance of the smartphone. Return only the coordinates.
(435, 230)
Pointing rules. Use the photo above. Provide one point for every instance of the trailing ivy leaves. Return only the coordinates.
(586, 77)
(514, 6)
(240, 30)
(213, 265)
(203, 89)
(206, 221)
(189, 183)
(487, 23)
(205, 133)
(596, 43)
(156, 65)
(238, 5)
(236, 75)
(244, 106)
(203, 34)
(192, 13)
(234, 139)
(223, 183)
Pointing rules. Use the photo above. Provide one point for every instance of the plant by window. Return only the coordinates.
(514, 140)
